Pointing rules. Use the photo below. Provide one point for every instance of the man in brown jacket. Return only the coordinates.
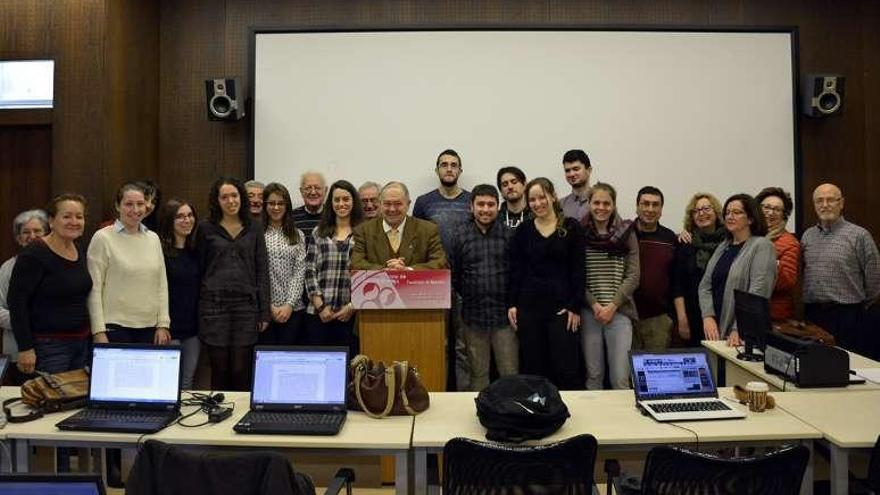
(395, 240)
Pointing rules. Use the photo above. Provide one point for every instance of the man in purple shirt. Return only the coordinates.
(577, 168)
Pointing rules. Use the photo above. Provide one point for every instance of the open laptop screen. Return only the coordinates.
(148, 374)
(672, 375)
(299, 376)
(44, 484)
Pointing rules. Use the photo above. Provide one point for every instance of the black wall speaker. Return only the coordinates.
(822, 94)
(223, 101)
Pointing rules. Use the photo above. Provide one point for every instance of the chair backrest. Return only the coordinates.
(472, 467)
(874, 468)
(670, 470)
(163, 469)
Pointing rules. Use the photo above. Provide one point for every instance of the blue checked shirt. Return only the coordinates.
(328, 271)
(479, 273)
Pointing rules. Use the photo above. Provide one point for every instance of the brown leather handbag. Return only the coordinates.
(380, 390)
(51, 393)
(804, 330)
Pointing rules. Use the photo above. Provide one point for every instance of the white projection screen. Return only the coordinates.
(684, 111)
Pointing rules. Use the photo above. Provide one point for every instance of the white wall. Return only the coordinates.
(683, 111)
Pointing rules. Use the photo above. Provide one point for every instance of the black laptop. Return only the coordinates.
(51, 484)
(297, 391)
(133, 388)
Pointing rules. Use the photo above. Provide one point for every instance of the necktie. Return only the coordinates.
(394, 239)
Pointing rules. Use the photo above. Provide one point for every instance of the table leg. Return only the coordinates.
(22, 456)
(807, 483)
(839, 470)
(420, 473)
(402, 473)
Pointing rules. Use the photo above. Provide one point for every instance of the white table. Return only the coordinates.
(847, 422)
(361, 435)
(612, 418)
(739, 372)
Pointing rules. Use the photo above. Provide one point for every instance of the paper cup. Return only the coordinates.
(757, 396)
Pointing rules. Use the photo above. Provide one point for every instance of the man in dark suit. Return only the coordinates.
(395, 240)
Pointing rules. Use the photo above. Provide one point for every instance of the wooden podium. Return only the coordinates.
(402, 317)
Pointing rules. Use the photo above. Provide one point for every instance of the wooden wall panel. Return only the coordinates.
(191, 49)
(25, 172)
(199, 41)
(132, 75)
(78, 34)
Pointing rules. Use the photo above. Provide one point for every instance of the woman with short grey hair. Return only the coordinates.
(28, 226)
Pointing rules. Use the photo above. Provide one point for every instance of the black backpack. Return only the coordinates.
(520, 407)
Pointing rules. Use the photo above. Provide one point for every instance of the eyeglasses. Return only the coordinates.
(826, 201)
(703, 209)
(183, 216)
(735, 213)
(772, 209)
(276, 204)
(311, 188)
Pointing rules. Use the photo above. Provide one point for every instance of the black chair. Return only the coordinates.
(170, 470)
(472, 467)
(677, 471)
(871, 484)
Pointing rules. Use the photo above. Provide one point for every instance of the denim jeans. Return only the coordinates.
(62, 355)
(480, 345)
(616, 338)
(191, 348)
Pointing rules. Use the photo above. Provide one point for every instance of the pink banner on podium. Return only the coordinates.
(400, 289)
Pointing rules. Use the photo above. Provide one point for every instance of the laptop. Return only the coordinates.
(134, 388)
(297, 391)
(51, 484)
(677, 385)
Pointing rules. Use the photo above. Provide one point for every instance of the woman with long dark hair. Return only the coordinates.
(546, 290)
(328, 280)
(234, 306)
(286, 251)
(177, 232)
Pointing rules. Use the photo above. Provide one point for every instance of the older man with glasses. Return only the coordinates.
(312, 188)
(841, 273)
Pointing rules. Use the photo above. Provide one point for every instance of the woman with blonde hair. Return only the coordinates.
(546, 290)
(702, 224)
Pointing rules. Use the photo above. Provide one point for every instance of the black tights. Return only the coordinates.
(230, 367)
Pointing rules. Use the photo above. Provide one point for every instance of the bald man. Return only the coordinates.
(397, 241)
(841, 273)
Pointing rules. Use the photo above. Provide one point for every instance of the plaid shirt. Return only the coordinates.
(328, 272)
(479, 273)
(841, 264)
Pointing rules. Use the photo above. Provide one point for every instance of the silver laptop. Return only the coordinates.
(677, 386)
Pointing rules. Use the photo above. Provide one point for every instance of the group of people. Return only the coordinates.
(556, 286)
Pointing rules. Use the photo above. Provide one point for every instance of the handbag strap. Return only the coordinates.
(404, 399)
(389, 381)
(34, 414)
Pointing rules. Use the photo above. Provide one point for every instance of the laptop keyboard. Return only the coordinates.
(676, 407)
(128, 416)
(299, 419)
